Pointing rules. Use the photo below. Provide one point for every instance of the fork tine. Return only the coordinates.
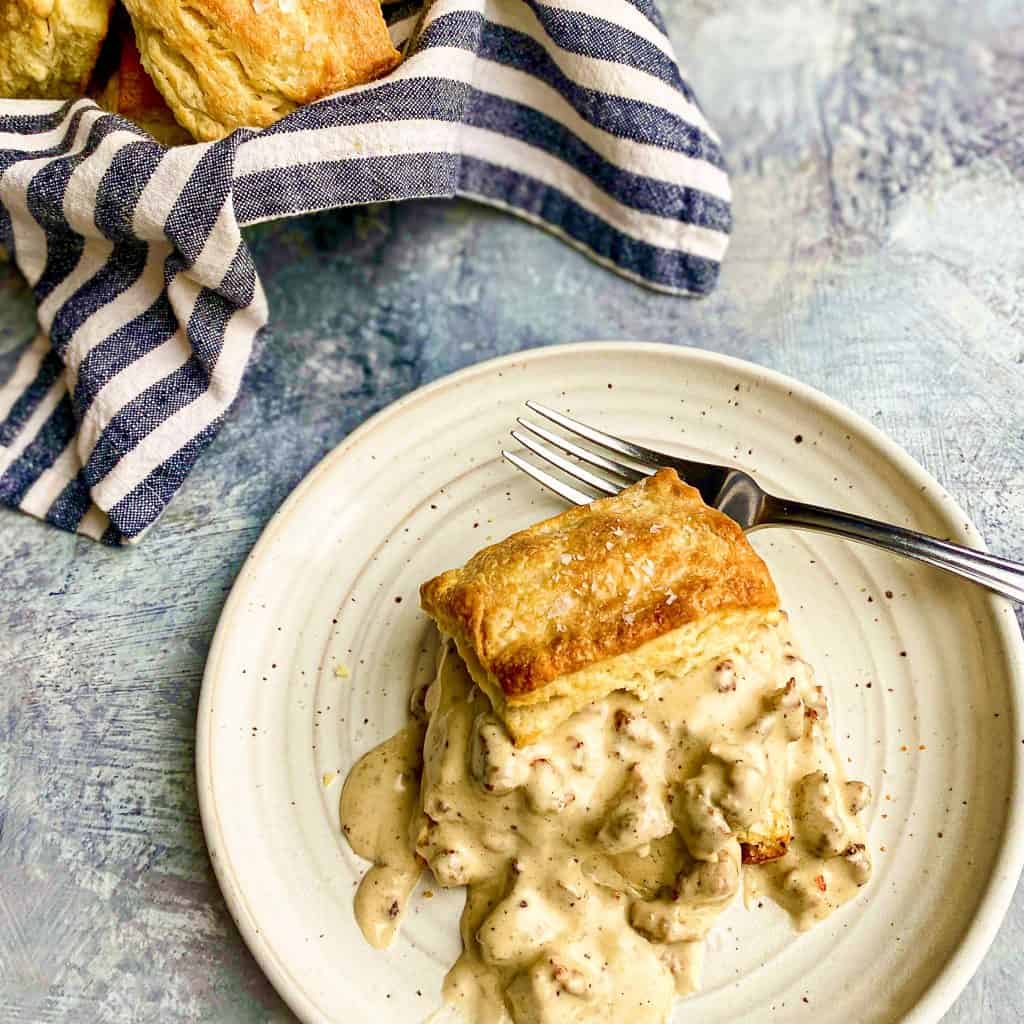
(584, 454)
(562, 489)
(651, 459)
(573, 469)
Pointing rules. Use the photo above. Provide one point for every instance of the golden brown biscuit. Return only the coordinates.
(224, 64)
(48, 47)
(599, 598)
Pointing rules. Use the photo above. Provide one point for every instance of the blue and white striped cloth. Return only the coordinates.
(570, 113)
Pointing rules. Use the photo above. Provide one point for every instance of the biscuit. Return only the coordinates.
(225, 64)
(601, 597)
(48, 48)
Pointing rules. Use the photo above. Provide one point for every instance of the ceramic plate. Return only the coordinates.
(322, 639)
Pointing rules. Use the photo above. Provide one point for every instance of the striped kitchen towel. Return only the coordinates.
(570, 113)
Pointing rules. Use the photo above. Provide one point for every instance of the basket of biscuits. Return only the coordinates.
(192, 71)
(139, 139)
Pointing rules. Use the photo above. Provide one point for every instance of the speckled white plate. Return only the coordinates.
(923, 673)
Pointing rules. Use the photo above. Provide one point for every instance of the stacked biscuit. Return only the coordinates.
(187, 69)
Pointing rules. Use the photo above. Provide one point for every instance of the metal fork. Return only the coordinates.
(738, 495)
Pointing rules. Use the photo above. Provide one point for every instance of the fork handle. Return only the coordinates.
(999, 574)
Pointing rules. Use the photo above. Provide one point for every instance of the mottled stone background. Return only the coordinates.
(878, 153)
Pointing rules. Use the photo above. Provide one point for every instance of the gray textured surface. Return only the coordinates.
(877, 158)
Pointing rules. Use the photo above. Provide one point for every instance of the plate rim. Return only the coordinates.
(1002, 881)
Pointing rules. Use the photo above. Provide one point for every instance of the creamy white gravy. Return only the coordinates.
(597, 859)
